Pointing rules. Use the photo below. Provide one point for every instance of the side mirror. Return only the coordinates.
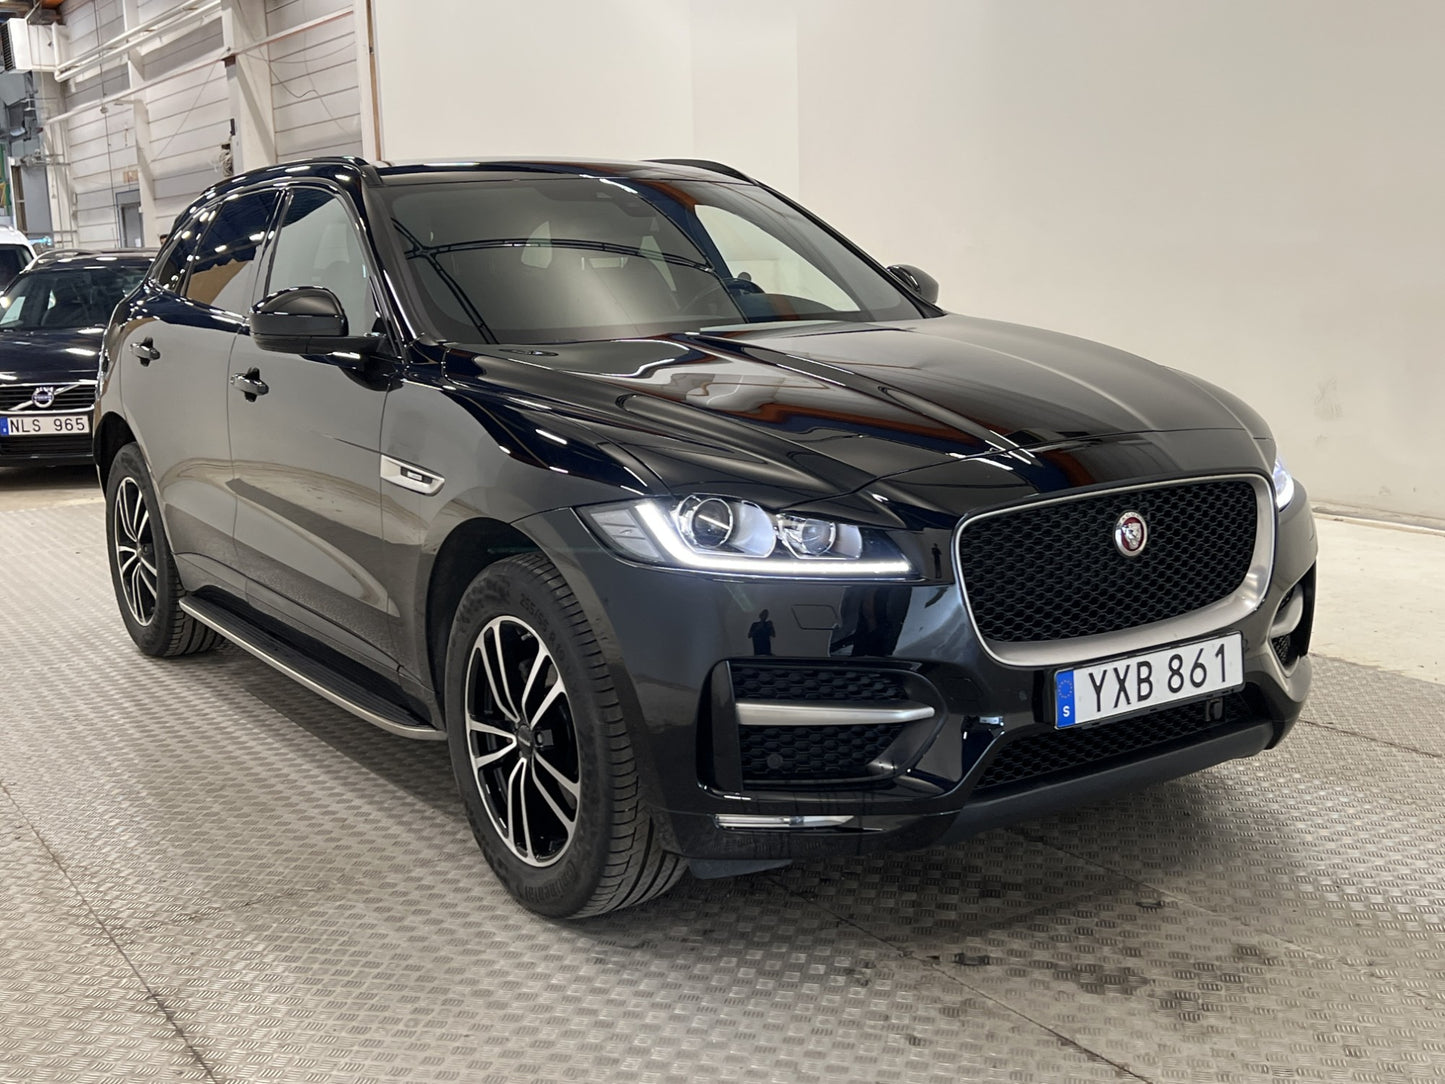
(916, 281)
(304, 320)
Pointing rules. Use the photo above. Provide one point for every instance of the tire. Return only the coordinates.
(528, 757)
(142, 570)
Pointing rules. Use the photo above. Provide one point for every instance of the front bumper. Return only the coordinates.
(45, 450)
(694, 656)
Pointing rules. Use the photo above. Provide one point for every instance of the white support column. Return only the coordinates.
(57, 158)
(361, 21)
(248, 79)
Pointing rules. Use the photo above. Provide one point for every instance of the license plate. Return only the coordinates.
(43, 425)
(1127, 686)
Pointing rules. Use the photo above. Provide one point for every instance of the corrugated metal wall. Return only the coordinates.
(314, 98)
(190, 115)
(100, 150)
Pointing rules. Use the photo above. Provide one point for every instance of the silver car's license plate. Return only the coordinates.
(1135, 683)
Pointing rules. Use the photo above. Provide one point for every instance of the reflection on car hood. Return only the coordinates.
(49, 354)
(827, 408)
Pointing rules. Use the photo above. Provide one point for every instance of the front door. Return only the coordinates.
(305, 459)
(174, 355)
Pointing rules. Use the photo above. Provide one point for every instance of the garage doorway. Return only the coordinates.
(128, 219)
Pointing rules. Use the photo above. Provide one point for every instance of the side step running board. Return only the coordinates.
(301, 668)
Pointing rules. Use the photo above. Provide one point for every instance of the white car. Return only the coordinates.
(15, 252)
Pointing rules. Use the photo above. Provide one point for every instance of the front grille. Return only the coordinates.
(812, 754)
(45, 447)
(814, 683)
(1283, 650)
(13, 396)
(1034, 758)
(1052, 573)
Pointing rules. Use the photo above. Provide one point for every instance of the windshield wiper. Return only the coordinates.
(560, 242)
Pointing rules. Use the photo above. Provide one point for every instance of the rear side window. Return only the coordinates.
(171, 267)
(223, 265)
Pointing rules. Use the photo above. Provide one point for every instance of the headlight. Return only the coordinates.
(719, 534)
(1283, 484)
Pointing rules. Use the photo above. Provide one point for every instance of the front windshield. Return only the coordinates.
(562, 259)
(70, 297)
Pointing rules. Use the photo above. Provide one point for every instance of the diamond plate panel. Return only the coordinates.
(1379, 706)
(433, 975)
(1334, 841)
(71, 1006)
(240, 882)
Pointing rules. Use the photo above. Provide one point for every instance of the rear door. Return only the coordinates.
(305, 452)
(173, 353)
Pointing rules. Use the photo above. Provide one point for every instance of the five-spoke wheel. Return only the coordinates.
(522, 742)
(541, 750)
(135, 551)
(147, 586)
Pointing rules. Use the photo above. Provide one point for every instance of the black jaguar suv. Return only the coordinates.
(704, 541)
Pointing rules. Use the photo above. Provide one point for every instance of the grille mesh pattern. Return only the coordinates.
(45, 446)
(814, 683)
(1283, 649)
(1052, 573)
(811, 754)
(1053, 752)
(17, 395)
(1284, 646)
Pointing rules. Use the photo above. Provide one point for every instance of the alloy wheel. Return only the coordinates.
(521, 741)
(135, 551)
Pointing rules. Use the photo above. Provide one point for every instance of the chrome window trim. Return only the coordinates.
(1217, 615)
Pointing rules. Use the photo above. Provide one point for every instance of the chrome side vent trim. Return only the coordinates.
(409, 476)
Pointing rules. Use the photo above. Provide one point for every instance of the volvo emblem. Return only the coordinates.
(43, 397)
(1131, 534)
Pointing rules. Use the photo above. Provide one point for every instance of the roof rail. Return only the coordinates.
(707, 164)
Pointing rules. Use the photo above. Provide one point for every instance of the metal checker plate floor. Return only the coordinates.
(210, 874)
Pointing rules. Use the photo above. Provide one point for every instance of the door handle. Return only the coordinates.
(145, 350)
(250, 384)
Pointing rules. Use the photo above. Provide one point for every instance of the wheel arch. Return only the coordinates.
(113, 434)
(467, 551)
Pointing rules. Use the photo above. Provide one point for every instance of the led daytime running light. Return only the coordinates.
(664, 533)
(1283, 484)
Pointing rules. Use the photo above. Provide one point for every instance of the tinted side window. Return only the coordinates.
(222, 268)
(318, 246)
(171, 267)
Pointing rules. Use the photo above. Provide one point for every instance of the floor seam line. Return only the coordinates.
(1373, 739)
(1374, 668)
(155, 998)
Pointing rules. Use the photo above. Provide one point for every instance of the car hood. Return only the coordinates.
(49, 354)
(826, 408)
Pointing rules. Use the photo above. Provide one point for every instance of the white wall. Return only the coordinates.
(561, 76)
(1253, 190)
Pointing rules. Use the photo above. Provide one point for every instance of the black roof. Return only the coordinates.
(351, 168)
